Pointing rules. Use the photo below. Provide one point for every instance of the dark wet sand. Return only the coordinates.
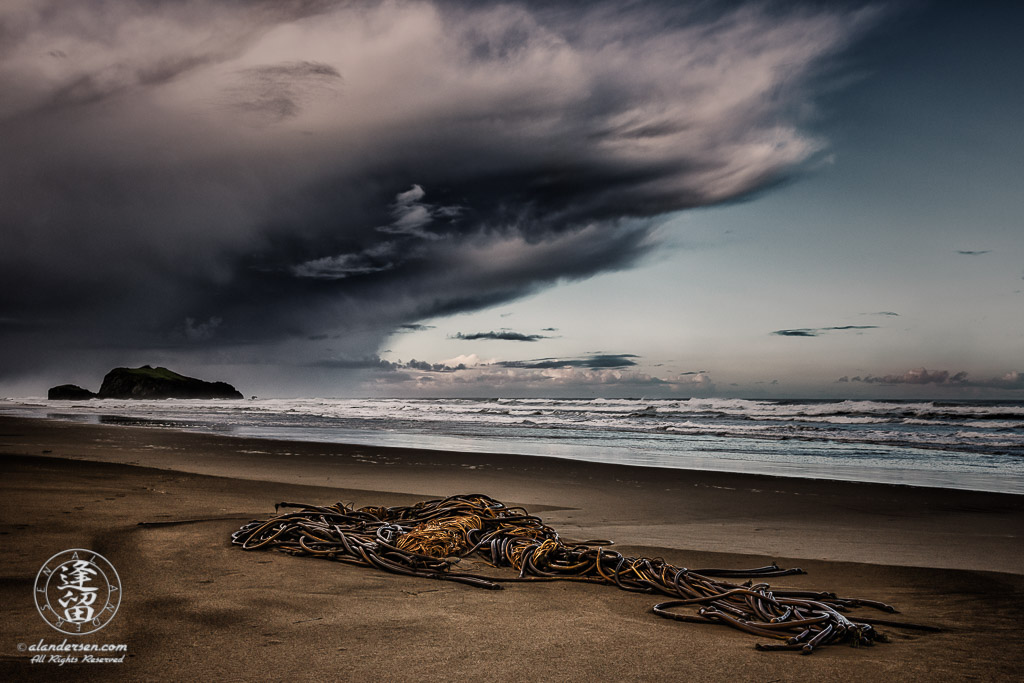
(197, 608)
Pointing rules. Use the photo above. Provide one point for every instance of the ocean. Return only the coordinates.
(974, 445)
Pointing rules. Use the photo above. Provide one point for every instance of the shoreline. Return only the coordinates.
(366, 438)
(816, 447)
(196, 606)
(831, 519)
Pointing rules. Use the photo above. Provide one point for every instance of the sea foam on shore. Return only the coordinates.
(975, 445)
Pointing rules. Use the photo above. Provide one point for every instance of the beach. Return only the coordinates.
(161, 505)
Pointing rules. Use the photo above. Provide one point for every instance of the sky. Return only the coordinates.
(640, 199)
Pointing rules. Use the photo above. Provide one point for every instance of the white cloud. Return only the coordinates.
(412, 215)
(471, 360)
(373, 260)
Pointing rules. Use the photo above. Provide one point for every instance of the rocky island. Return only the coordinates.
(69, 392)
(146, 383)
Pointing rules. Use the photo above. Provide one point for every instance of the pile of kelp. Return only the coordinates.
(429, 538)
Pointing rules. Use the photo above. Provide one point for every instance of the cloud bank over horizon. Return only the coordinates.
(1012, 380)
(197, 178)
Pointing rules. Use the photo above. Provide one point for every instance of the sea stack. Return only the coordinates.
(148, 382)
(69, 392)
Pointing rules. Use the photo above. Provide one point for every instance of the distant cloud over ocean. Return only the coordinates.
(593, 361)
(1010, 381)
(502, 335)
(818, 331)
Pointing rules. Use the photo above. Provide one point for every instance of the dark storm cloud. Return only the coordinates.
(203, 177)
(503, 335)
(817, 331)
(592, 362)
(365, 363)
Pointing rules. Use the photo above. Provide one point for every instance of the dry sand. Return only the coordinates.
(197, 608)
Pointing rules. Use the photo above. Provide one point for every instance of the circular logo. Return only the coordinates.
(77, 591)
